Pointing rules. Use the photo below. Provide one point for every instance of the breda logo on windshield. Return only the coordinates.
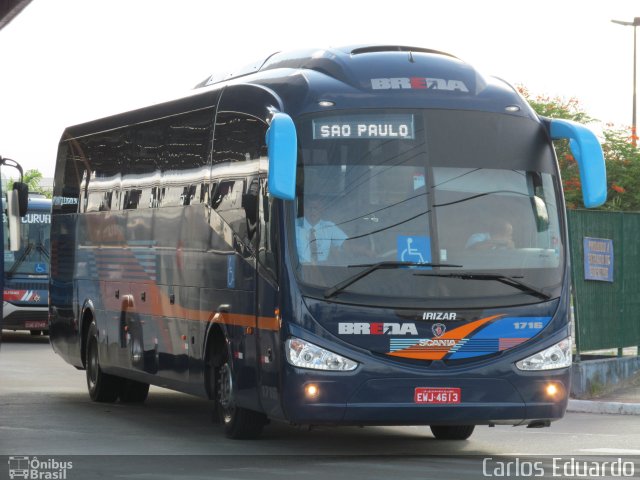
(418, 83)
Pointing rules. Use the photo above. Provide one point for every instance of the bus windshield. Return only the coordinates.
(469, 193)
(33, 257)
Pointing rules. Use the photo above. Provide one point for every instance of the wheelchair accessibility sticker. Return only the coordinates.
(415, 249)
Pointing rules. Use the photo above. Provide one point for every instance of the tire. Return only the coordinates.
(102, 387)
(452, 432)
(132, 391)
(239, 423)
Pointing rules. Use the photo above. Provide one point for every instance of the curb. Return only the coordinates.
(617, 408)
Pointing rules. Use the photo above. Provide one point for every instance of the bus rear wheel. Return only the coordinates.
(452, 432)
(239, 423)
(102, 387)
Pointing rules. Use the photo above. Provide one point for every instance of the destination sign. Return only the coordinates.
(394, 126)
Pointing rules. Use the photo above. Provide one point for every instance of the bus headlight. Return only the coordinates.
(556, 356)
(303, 354)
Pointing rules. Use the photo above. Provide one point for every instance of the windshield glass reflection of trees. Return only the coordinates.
(364, 201)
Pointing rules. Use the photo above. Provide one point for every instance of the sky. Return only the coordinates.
(64, 62)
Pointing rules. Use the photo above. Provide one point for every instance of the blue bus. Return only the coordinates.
(26, 274)
(12, 210)
(369, 235)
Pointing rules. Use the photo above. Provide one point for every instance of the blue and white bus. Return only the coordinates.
(26, 274)
(13, 209)
(355, 236)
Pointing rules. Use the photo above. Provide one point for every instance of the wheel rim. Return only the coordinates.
(225, 393)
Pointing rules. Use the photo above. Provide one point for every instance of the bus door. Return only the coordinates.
(268, 320)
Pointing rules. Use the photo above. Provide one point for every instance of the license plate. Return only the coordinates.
(436, 395)
(36, 325)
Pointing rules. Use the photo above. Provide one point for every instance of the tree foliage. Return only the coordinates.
(622, 158)
(32, 178)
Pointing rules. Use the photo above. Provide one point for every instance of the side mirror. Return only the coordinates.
(282, 146)
(541, 214)
(22, 190)
(587, 151)
(13, 220)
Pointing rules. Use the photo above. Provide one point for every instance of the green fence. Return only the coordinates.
(607, 312)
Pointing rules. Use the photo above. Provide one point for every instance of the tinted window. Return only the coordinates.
(107, 154)
(239, 147)
(142, 173)
(185, 159)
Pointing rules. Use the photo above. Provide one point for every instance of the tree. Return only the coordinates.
(32, 178)
(621, 157)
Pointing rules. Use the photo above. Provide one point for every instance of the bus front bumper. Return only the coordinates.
(17, 317)
(534, 398)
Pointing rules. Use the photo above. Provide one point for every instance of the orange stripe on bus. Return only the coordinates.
(239, 320)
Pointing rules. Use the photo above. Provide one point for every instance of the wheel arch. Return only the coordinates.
(215, 349)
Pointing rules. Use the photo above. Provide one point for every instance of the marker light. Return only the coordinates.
(556, 356)
(303, 354)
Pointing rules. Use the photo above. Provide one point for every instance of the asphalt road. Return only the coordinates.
(45, 412)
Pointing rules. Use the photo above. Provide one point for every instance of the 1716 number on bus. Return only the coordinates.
(436, 395)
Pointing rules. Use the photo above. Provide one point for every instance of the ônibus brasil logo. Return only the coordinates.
(37, 469)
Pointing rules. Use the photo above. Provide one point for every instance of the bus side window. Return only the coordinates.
(107, 153)
(228, 203)
(142, 171)
(267, 231)
(250, 206)
(184, 160)
(238, 146)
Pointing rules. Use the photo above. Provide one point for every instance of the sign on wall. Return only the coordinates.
(598, 259)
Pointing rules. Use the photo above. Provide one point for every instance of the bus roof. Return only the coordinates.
(364, 76)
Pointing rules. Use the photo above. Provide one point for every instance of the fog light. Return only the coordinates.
(311, 391)
(555, 391)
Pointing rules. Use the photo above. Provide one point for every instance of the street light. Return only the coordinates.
(634, 24)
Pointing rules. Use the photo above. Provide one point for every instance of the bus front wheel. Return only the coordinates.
(239, 423)
(133, 392)
(452, 432)
(102, 387)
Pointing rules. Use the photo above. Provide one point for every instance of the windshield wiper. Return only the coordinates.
(21, 259)
(42, 250)
(372, 267)
(511, 281)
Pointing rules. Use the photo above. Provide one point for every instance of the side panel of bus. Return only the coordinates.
(163, 254)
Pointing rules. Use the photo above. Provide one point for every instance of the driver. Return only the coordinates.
(315, 237)
(499, 236)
